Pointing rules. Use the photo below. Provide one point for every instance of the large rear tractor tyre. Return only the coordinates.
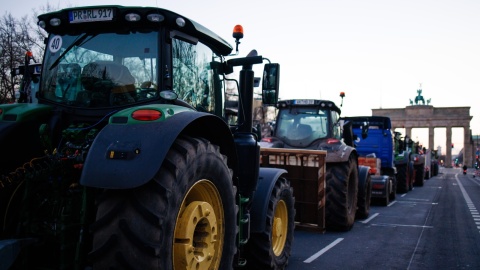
(364, 199)
(435, 169)
(184, 218)
(393, 194)
(419, 175)
(402, 181)
(411, 175)
(428, 173)
(341, 200)
(271, 248)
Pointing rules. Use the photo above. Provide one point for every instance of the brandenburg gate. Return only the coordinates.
(427, 116)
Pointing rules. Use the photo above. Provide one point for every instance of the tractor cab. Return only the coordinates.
(304, 123)
(111, 57)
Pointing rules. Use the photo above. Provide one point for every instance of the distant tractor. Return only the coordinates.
(307, 124)
(418, 157)
(404, 165)
(410, 163)
(431, 163)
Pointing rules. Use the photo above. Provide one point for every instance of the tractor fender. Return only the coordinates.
(340, 154)
(125, 156)
(266, 182)
(403, 158)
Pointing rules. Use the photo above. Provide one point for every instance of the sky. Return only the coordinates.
(379, 52)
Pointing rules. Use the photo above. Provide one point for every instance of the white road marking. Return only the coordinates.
(323, 250)
(468, 200)
(423, 200)
(370, 218)
(401, 225)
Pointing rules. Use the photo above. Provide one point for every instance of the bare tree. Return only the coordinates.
(17, 36)
(15, 41)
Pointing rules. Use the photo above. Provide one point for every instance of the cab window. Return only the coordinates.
(193, 78)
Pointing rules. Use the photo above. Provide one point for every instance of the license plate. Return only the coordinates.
(304, 102)
(91, 15)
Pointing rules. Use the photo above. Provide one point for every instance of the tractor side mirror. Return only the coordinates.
(348, 136)
(365, 127)
(270, 84)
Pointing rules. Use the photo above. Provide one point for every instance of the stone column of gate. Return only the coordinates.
(431, 136)
(448, 154)
(408, 132)
(467, 147)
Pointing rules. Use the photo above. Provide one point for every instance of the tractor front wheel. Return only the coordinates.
(271, 248)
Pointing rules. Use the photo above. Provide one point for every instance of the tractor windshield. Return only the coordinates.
(100, 70)
(300, 126)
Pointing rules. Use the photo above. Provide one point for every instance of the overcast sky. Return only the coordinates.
(377, 51)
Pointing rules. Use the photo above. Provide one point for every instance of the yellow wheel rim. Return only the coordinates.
(279, 228)
(199, 230)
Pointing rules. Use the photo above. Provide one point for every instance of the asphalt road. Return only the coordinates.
(436, 226)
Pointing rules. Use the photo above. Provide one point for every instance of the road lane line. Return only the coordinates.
(323, 250)
(392, 203)
(401, 225)
(370, 218)
(468, 200)
(423, 200)
(415, 202)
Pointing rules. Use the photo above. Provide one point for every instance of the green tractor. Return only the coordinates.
(403, 164)
(121, 155)
(418, 158)
(410, 163)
